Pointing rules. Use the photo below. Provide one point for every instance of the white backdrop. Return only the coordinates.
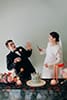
(33, 20)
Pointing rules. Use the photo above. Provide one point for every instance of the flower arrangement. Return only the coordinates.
(8, 78)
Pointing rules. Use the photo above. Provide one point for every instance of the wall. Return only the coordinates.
(33, 20)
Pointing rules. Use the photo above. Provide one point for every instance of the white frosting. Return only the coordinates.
(35, 77)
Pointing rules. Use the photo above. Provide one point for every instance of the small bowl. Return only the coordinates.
(53, 82)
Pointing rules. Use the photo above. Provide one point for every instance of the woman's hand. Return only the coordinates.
(41, 50)
(46, 65)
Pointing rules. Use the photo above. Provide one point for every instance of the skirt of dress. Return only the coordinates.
(49, 73)
(46, 73)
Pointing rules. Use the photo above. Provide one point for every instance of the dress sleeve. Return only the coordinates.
(59, 57)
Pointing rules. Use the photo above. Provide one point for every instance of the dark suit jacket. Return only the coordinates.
(24, 63)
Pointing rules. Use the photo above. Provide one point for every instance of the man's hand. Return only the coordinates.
(21, 70)
(28, 46)
(18, 59)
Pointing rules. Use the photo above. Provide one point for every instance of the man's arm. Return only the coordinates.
(28, 49)
(25, 52)
(28, 53)
(10, 63)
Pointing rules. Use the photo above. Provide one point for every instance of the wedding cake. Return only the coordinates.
(35, 78)
(35, 81)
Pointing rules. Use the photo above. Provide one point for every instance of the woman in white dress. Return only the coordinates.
(53, 57)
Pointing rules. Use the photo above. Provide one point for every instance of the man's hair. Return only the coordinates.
(6, 43)
(55, 35)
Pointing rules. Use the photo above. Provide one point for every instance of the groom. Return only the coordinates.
(18, 59)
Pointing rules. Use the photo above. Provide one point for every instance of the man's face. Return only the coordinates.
(11, 46)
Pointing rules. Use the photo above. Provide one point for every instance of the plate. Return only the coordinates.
(41, 83)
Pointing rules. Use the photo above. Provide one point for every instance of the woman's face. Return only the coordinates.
(51, 39)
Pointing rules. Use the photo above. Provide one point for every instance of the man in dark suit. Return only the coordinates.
(18, 59)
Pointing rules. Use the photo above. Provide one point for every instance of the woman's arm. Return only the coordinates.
(41, 50)
(59, 58)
